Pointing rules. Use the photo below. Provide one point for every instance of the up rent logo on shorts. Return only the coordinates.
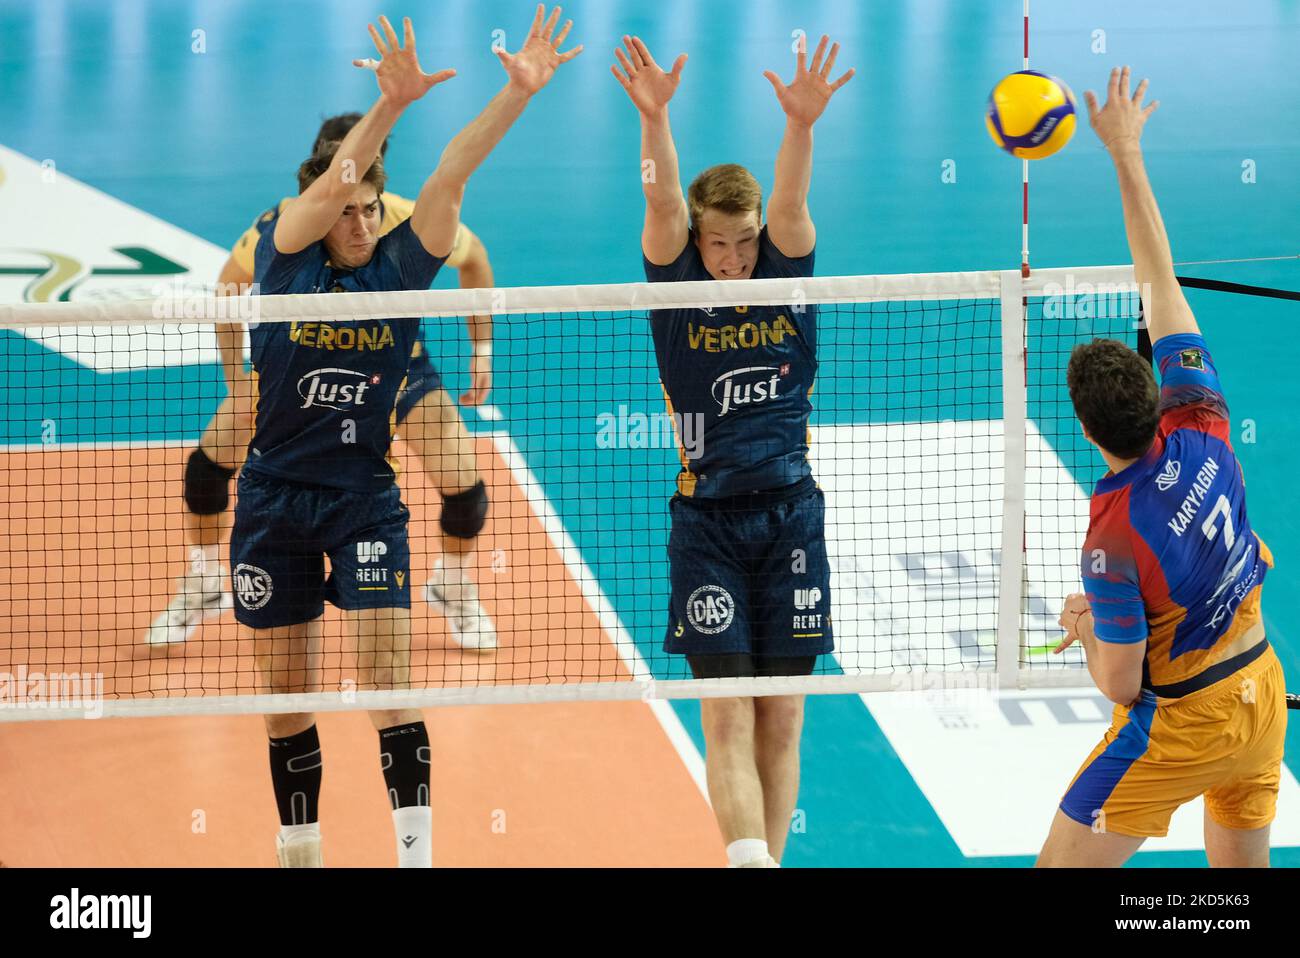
(807, 598)
(252, 585)
(74, 911)
(710, 609)
(371, 551)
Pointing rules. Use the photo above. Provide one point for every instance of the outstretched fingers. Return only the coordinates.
(1090, 100)
(677, 66)
(626, 63)
(374, 37)
(390, 34)
(559, 41)
(830, 61)
(775, 80)
(818, 54)
(644, 52)
(844, 79)
(536, 29)
(551, 21)
(633, 53)
(566, 57)
(408, 34)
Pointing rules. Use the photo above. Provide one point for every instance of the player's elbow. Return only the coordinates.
(1121, 689)
(443, 194)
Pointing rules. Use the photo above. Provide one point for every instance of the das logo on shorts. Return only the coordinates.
(710, 609)
(252, 585)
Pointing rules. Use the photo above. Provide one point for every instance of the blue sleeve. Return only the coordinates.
(687, 266)
(1187, 373)
(272, 270)
(416, 266)
(775, 263)
(1110, 580)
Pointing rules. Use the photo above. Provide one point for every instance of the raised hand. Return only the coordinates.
(398, 69)
(645, 82)
(536, 62)
(806, 97)
(1121, 120)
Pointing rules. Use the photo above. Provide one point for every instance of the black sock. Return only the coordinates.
(404, 757)
(295, 774)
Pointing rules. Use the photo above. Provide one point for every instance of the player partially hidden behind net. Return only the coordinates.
(1171, 619)
(317, 481)
(428, 421)
(748, 519)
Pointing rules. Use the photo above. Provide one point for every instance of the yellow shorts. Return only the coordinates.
(1224, 742)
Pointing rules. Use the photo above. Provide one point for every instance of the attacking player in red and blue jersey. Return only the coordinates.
(1173, 573)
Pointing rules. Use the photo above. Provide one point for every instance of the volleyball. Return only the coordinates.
(1030, 114)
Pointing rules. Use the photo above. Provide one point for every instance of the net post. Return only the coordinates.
(1014, 406)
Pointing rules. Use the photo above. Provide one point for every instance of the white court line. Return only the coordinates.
(599, 602)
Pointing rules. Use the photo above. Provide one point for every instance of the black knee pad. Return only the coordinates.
(464, 513)
(207, 485)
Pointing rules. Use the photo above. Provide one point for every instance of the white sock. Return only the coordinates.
(311, 828)
(745, 850)
(456, 563)
(413, 827)
(205, 560)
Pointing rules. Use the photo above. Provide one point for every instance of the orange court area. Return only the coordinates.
(93, 544)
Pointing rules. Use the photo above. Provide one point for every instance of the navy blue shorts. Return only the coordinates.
(750, 575)
(283, 532)
(421, 379)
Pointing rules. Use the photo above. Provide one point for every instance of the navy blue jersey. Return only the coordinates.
(737, 380)
(325, 391)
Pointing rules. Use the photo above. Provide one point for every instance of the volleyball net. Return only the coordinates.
(955, 476)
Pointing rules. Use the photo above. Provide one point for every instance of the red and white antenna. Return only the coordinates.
(1024, 177)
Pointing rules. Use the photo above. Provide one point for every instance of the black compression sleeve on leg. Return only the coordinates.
(404, 755)
(296, 774)
(207, 485)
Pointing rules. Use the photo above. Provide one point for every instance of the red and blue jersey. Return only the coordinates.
(1170, 557)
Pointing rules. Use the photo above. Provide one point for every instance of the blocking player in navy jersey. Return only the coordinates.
(428, 420)
(317, 483)
(1170, 617)
(747, 551)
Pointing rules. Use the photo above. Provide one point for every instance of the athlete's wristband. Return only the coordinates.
(481, 350)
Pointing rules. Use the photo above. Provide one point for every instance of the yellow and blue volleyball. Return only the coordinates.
(1030, 114)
